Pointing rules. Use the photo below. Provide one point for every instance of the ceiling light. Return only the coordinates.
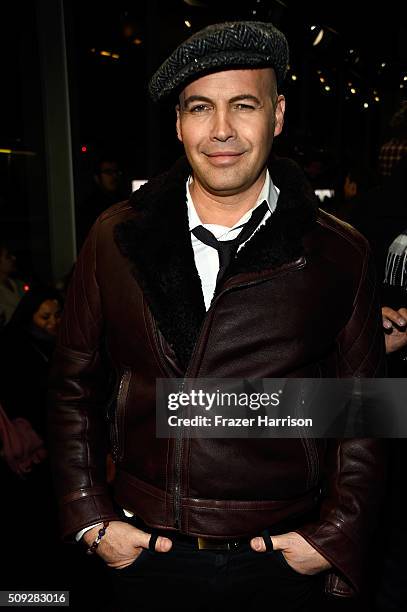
(318, 37)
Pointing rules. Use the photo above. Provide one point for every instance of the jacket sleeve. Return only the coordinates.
(78, 399)
(355, 468)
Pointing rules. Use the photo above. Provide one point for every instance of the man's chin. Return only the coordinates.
(225, 189)
(224, 182)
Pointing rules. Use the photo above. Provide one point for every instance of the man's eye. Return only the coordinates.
(244, 107)
(199, 108)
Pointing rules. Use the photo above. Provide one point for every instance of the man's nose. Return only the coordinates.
(222, 128)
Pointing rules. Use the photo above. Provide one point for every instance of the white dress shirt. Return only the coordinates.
(206, 257)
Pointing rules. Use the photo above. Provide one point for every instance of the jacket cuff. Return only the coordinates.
(85, 510)
(340, 550)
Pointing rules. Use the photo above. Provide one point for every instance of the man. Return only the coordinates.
(107, 190)
(150, 299)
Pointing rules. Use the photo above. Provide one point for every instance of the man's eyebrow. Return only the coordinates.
(245, 97)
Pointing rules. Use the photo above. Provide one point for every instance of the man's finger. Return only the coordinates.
(142, 540)
(163, 544)
(259, 545)
(403, 313)
(279, 542)
(393, 315)
(387, 324)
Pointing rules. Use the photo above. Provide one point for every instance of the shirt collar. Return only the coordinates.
(268, 193)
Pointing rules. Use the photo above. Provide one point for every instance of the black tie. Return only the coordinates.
(227, 249)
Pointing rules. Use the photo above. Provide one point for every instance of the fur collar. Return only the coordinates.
(157, 242)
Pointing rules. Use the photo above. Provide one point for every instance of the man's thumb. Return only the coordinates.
(160, 543)
(279, 542)
(259, 545)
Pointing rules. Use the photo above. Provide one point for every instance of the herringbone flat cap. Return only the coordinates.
(237, 44)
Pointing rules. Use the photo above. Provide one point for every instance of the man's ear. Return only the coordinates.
(279, 115)
(178, 123)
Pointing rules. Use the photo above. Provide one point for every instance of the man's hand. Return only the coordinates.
(123, 543)
(298, 553)
(395, 326)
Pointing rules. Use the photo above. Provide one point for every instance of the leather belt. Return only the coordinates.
(200, 543)
(230, 544)
(197, 542)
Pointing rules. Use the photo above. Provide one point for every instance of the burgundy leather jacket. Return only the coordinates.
(299, 300)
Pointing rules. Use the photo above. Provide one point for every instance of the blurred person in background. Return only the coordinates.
(351, 200)
(34, 555)
(383, 220)
(394, 149)
(11, 289)
(107, 190)
(319, 166)
(26, 345)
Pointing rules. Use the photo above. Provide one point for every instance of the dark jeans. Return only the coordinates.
(189, 579)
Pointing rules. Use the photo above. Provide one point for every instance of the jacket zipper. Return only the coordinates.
(179, 439)
(118, 417)
(177, 470)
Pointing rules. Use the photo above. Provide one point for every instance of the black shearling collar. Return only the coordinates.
(158, 244)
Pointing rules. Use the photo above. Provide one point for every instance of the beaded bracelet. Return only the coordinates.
(96, 542)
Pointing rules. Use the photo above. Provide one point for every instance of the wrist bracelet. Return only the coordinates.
(96, 542)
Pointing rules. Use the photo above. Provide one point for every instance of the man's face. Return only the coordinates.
(226, 122)
(109, 176)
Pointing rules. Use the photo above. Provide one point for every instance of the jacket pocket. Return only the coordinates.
(118, 413)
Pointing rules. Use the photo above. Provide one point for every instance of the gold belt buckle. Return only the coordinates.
(206, 544)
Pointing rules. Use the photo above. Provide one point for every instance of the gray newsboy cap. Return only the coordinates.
(222, 46)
